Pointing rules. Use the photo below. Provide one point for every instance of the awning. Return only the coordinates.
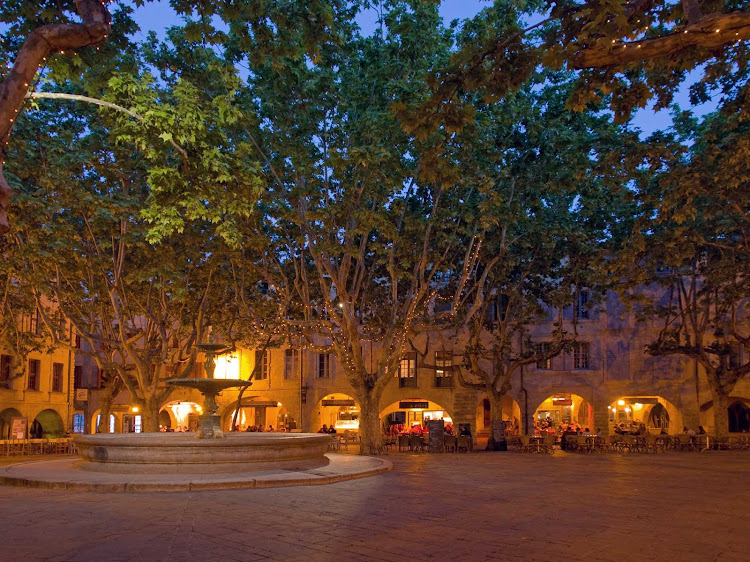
(250, 403)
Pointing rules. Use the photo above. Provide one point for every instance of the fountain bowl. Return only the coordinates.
(168, 452)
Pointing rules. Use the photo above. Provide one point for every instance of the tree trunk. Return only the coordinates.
(721, 416)
(151, 417)
(370, 432)
(496, 414)
(110, 393)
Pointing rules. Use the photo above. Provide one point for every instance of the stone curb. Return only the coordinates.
(206, 482)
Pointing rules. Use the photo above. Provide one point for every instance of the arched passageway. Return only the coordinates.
(739, 417)
(179, 415)
(511, 414)
(641, 414)
(405, 414)
(50, 424)
(339, 411)
(6, 424)
(256, 413)
(562, 410)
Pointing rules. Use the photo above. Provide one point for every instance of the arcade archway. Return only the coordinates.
(563, 409)
(6, 422)
(739, 416)
(636, 414)
(179, 416)
(50, 424)
(405, 414)
(511, 414)
(256, 413)
(340, 411)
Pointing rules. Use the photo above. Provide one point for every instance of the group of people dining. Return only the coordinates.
(415, 429)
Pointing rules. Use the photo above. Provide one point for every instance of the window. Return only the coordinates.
(581, 311)
(736, 356)
(443, 369)
(323, 366)
(111, 422)
(291, 363)
(5, 364)
(31, 323)
(77, 341)
(539, 349)
(57, 377)
(78, 376)
(261, 365)
(407, 371)
(34, 368)
(580, 355)
(78, 426)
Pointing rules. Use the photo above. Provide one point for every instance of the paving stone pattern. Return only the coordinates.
(479, 506)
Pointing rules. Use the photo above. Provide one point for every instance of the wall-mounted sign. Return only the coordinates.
(18, 427)
(339, 403)
(562, 402)
(82, 394)
(415, 405)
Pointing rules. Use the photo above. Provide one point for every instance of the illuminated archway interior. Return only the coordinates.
(563, 409)
(340, 411)
(404, 414)
(634, 413)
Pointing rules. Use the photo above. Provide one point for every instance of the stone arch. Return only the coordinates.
(6, 419)
(180, 414)
(413, 410)
(511, 413)
(341, 410)
(115, 422)
(654, 411)
(254, 411)
(739, 416)
(563, 408)
(51, 423)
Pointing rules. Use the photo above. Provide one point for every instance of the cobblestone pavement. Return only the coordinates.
(479, 506)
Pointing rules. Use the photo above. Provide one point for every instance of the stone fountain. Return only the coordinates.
(209, 422)
(209, 450)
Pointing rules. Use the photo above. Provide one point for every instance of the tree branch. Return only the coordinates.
(76, 97)
(38, 46)
(710, 32)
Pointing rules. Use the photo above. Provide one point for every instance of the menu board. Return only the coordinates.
(437, 431)
(498, 430)
(18, 427)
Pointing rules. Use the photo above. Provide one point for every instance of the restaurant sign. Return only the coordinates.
(415, 405)
(339, 403)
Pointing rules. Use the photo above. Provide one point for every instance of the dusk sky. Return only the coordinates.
(158, 16)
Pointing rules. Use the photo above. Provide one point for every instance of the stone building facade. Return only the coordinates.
(606, 379)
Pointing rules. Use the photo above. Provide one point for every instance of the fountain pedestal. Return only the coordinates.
(209, 422)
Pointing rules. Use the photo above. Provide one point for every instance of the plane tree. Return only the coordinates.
(548, 203)
(689, 249)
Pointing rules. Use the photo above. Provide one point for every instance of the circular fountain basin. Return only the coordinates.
(163, 453)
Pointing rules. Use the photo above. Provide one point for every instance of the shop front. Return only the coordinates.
(408, 415)
(255, 414)
(563, 409)
(341, 412)
(641, 414)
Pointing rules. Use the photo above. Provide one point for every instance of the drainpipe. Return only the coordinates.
(525, 404)
(301, 385)
(69, 417)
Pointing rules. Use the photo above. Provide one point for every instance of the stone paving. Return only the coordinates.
(479, 506)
